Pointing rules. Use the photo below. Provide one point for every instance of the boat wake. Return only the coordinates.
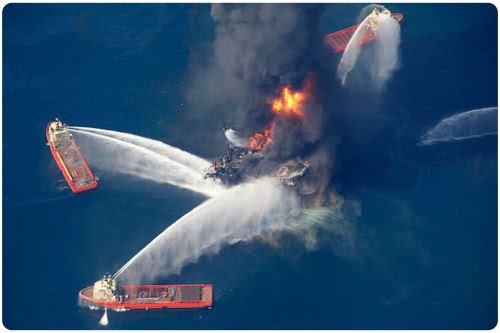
(461, 126)
(237, 214)
(145, 158)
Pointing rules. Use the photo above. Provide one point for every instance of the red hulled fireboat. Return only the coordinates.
(338, 40)
(107, 293)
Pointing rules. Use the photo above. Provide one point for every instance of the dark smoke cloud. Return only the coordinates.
(257, 49)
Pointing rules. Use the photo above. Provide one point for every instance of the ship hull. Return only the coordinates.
(68, 170)
(153, 297)
(338, 40)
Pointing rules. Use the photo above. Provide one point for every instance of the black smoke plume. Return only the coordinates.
(256, 50)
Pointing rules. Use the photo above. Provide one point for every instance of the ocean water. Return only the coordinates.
(424, 251)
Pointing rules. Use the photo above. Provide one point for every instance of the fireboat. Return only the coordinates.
(108, 293)
(69, 158)
(339, 40)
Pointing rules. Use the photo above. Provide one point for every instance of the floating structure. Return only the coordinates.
(68, 157)
(226, 169)
(290, 173)
(107, 293)
(339, 39)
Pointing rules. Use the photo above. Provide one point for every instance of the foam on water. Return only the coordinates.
(104, 320)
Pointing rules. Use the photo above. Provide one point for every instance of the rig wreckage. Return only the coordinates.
(227, 169)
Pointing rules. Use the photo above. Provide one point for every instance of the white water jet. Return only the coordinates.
(104, 320)
(461, 126)
(238, 214)
(233, 138)
(385, 59)
(151, 160)
(174, 153)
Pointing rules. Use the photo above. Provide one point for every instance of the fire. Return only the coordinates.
(289, 102)
(260, 140)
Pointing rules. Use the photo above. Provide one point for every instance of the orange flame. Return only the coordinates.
(289, 102)
(259, 140)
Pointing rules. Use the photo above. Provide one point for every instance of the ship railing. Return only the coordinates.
(147, 299)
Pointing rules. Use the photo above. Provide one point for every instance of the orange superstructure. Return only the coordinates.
(107, 293)
(339, 39)
(69, 158)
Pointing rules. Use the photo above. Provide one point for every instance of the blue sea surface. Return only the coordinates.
(426, 240)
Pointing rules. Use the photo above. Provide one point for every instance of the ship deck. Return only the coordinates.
(73, 161)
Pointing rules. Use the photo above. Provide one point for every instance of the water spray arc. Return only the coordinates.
(379, 25)
(238, 214)
(174, 153)
(147, 159)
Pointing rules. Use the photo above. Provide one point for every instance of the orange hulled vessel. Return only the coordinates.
(68, 157)
(339, 39)
(107, 293)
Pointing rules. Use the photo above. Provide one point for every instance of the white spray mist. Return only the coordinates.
(386, 48)
(238, 214)
(233, 138)
(146, 159)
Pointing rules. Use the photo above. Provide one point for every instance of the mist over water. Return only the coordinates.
(386, 49)
(146, 159)
(461, 126)
(238, 214)
(384, 60)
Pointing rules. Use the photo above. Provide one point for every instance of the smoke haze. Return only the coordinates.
(257, 49)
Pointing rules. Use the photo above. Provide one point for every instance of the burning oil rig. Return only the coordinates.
(245, 154)
(227, 168)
